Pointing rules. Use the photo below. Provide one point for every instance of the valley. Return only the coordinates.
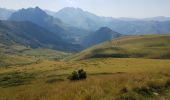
(33, 75)
(73, 54)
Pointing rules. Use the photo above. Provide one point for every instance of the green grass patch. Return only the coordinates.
(54, 80)
(15, 79)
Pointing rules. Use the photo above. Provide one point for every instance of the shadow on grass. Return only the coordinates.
(96, 74)
(54, 80)
(15, 79)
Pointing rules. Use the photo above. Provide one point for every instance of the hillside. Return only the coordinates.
(101, 35)
(32, 35)
(147, 46)
(39, 17)
(19, 55)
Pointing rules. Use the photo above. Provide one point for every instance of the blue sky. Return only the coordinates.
(111, 8)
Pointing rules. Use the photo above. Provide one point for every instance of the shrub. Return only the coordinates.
(74, 76)
(82, 74)
(78, 75)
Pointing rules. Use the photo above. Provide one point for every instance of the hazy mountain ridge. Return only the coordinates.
(30, 34)
(55, 25)
(5, 13)
(39, 17)
(84, 20)
(140, 27)
(158, 18)
(80, 18)
(71, 27)
(89, 21)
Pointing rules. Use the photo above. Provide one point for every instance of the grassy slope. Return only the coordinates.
(19, 55)
(107, 79)
(46, 53)
(9, 60)
(148, 46)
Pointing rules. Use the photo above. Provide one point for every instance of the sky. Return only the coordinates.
(109, 8)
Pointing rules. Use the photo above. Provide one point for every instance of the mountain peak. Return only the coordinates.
(104, 29)
(101, 35)
(28, 14)
(80, 18)
(71, 9)
(37, 7)
(39, 17)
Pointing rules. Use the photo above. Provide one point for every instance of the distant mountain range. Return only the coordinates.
(55, 25)
(158, 18)
(62, 22)
(140, 27)
(39, 17)
(71, 29)
(128, 26)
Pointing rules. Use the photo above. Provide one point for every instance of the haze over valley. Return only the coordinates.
(62, 49)
(60, 25)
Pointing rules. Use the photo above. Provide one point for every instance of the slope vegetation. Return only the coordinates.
(147, 46)
(19, 55)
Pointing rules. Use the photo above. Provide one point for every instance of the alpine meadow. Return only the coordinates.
(84, 50)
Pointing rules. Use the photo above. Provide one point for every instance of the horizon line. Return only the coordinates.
(129, 17)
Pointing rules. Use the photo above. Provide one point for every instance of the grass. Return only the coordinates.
(147, 46)
(39, 53)
(109, 78)
(14, 79)
(15, 60)
(18, 55)
(46, 53)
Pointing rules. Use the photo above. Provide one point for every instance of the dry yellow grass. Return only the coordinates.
(106, 79)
